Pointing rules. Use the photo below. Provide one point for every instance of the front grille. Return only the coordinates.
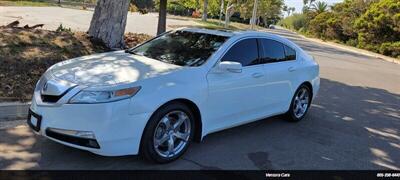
(50, 98)
(86, 142)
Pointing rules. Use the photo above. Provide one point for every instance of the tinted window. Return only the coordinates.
(272, 51)
(290, 53)
(181, 48)
(244, 51)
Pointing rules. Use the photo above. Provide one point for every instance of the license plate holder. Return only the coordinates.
(34, 120)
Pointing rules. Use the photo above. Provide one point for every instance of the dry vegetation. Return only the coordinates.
(26, 54)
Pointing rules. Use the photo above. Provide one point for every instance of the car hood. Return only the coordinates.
(108, 69)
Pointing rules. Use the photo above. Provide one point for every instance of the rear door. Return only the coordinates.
(280, 68)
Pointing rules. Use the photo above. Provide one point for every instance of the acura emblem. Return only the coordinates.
(45, 87)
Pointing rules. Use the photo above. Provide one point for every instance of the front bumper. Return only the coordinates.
(116, 131)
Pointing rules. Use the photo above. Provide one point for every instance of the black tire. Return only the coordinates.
(147, 149)
(290, 115)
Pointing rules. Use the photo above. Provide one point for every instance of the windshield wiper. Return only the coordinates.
(130, 52)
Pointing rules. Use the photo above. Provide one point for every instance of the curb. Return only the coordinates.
(10, 111)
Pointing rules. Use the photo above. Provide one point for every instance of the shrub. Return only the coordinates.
(390, 49)
(295, 22)
(379, 25)
(62, 28)
(320, 24)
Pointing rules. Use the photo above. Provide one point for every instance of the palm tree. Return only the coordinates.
(320, 7)
(307, 5)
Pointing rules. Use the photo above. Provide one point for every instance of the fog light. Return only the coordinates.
(82, 134)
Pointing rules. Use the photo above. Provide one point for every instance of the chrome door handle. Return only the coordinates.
(291, 69)
(257, 75)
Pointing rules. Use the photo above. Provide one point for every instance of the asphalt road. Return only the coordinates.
(354, 123)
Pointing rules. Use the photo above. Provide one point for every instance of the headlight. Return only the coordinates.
(86, 97)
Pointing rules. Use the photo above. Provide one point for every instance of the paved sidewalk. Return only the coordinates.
(13, 111)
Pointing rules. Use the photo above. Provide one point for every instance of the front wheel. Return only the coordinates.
(300, 104)
(168, 133)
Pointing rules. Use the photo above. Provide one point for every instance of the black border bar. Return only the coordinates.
(201, 175)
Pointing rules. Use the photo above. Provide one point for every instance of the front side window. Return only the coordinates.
(181, 48)
(244, 52)
(272, 51)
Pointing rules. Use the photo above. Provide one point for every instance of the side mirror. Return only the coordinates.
(230, 66)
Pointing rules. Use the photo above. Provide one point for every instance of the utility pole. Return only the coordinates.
(254, 15)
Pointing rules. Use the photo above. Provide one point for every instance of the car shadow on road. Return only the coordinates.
(348, 127)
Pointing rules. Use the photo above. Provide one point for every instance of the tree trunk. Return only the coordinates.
(204, 17)
(228, 13)
(109, 21)
(197, 5)
(254, 15)
(162, 17)
(221, 10)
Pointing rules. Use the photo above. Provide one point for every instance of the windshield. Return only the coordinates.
(181, 48)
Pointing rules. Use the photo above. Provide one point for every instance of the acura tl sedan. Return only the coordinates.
(158, 97)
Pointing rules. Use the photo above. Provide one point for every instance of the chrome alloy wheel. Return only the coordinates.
(172, 134)
(301, 102)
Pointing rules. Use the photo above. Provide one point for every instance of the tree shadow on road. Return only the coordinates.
(348, 128)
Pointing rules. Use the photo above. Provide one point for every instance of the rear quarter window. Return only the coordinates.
(290, 53)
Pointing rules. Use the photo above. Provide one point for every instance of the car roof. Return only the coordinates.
(229, 33)
(241, 33)
(219, 32)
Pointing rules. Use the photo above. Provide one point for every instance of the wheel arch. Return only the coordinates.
(309, 85)
(196, 112)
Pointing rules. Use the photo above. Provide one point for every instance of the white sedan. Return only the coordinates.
(157, 98)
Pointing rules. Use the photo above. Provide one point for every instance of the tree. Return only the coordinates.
(320, 25)
(291, 10)
(143, 4)
(269, 10)
(379, 28)
(320, 7)
(162, 17)
(288, 10)
(221, 11)
(228, 13)
(254, 14)
(307, 5)
(204, 16)
(109, 21)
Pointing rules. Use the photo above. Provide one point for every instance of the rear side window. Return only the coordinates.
(244, 52)
(290, 54)
(272, 51)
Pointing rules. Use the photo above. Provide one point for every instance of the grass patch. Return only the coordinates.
(26, 54)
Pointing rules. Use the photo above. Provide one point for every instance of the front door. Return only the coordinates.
(235, 97)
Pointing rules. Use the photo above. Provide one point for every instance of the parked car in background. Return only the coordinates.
(157, 98)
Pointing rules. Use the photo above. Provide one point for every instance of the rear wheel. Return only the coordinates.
(168, 133)
(300, 104)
